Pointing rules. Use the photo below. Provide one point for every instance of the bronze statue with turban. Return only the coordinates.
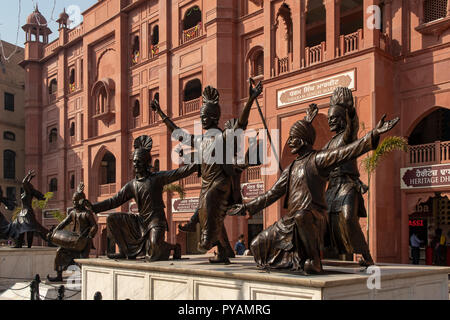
(77, 242)
(145, 231)
(344, 192)
(219, 185)
(296, 240)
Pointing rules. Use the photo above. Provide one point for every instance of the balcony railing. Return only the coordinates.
(190, 106)
(314, 54)
(154, 50)
(254, 173)
(191, 34)
(430, 153)
(75, 33)
(51, 97)
(351, 42)
(152, 117)
(281, 65)
(72, 140)
(192, 180)
(106, 189)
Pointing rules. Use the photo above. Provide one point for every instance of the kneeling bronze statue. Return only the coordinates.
(77, 243)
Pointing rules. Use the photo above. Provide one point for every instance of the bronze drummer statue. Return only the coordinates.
(344, 193)
(219, 188)
(296, 240)
(146, 230)
(26, 221)
(77, 243)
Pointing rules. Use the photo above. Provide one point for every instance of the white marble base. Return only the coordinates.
(196, 279)
(24, 263)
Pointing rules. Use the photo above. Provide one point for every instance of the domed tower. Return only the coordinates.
(63, 22)
(37, 33)
(36, 37)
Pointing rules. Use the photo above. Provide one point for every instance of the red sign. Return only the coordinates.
(184, 205)
(427, 176)
(252, 189)
(416, 223)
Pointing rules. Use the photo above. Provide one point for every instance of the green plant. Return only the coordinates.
(42, 204)
(175, 188)
(371, 162)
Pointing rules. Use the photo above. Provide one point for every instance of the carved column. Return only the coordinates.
(297, 30)
(448, 8)
(371, 35)
(333, 27)
(302, 32)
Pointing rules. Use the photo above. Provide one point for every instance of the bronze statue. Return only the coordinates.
(145, 231)
(26, 221)
(345, 189)
(77, 243)
(191, 226)
(296, 240)
(219, 187)
(5, 225)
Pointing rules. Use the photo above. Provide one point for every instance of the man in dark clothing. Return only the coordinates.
(239, 247)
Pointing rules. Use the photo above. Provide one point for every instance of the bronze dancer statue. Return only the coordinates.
(345, 189)
(26, 221)
(295, 241)
(77, 243)
(218, 184)
(5, 225)
(191, 226)
(145, 231)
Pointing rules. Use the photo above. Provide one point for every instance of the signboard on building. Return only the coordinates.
(48, 214)
(184, 205)
(315, 89)
(425, 177)
(252, 189)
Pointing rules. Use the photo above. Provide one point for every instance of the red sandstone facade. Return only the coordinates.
(88, 92)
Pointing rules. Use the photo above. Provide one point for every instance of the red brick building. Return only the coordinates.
(88, 93)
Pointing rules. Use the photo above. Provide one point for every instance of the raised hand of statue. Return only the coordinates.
(30, 175)
(384, 126)
(155, 105)
(87, 204)
(237, 210)
(311, 112)
(254, 92)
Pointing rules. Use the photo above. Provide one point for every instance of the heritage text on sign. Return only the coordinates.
(315, 89)
(252, 189)
(184, 205)
(425, 177)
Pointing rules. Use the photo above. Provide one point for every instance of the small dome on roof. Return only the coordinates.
(36, 18)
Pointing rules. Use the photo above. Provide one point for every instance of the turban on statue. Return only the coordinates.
(304, 130)
(143, 146)
(211, 102)
(343, 97)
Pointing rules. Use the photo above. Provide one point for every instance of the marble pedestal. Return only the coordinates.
(196, 279)
(24, 263)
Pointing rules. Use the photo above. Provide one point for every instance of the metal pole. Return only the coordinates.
(252, 82)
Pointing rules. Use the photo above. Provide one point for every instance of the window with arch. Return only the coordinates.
(53, 185)
(135, 51)
(108, 169)
(154, 41)
(258, 63)
(9, 164)
(434, 10)
(191, 24)
(8, 135)
(283, 37)
(52, 87)
(316, 32)
(103, 98)
(52, 137)
(72, 80)
(72, 129)
(136, 112)
(192, 93)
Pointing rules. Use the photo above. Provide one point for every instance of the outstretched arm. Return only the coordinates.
(170, 176)
(185, 138)
(254, 92)
(125, 194)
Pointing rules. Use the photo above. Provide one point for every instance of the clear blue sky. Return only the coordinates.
(10, 11)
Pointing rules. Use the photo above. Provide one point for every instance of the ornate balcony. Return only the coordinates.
(351, 42)
(314, 54)
(428, 154)
(254, 173)
(192, 180)
(191, 34)
(190, 106)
